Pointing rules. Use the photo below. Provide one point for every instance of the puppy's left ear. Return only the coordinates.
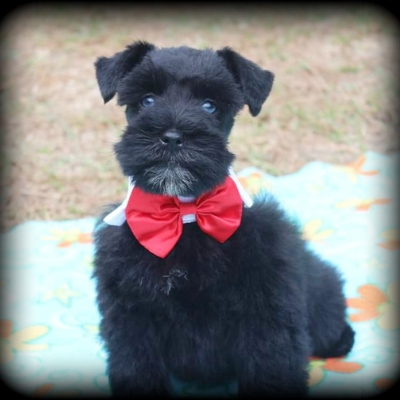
(255, 82)
(109, 71)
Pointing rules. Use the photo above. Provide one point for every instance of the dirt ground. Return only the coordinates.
(335, 94)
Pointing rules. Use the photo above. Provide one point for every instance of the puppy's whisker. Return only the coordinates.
(170, 180)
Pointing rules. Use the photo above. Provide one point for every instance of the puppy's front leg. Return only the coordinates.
(272, 362)
(135, 365)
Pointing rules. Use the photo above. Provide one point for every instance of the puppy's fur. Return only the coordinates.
(253, 309)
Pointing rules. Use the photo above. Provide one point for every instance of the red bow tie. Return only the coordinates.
(156, 220)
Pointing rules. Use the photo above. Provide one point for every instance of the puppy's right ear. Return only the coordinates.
(254, 82)
(109, 71)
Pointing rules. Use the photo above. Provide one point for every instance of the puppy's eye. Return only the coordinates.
(209, 107)
(147, 101)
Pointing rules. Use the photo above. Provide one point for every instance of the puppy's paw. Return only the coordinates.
(346, 341)
(342, 346)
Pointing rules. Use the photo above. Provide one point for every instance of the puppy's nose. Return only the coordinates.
(172, 139)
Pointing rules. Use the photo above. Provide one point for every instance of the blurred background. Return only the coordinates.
(335, 94)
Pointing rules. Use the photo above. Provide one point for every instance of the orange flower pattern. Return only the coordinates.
(312, 231)
(255, 182)
(42, 390)
(319, 366)
(391, 239)
(48, 390)
(361, 204)
(67, 237)
(385, 383)
(356, 169)
(373, 303)
(12, 341)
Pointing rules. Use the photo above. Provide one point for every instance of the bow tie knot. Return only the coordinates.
(187, 208)
(156, 220)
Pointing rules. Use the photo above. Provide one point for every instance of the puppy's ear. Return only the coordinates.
(109, 71)
(255, 82)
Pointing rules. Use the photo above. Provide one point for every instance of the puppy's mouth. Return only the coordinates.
(196, 167)
(170, 180)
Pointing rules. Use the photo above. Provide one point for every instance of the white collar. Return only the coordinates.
(117, 217)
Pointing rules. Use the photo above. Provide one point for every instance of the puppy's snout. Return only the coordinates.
(172, 139)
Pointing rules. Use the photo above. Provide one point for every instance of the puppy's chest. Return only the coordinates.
(196, 263)
(176, 278)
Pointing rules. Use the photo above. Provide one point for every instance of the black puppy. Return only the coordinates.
(235, 294)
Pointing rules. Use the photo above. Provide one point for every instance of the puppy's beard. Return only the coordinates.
(172, 180)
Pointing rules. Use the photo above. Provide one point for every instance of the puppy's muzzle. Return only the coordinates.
(173, 139)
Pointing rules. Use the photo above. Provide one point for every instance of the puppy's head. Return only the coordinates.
(180, 106)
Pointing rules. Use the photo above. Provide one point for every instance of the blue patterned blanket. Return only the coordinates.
(347, 213)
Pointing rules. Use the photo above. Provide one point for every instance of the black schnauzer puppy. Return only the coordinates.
(192, 283)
